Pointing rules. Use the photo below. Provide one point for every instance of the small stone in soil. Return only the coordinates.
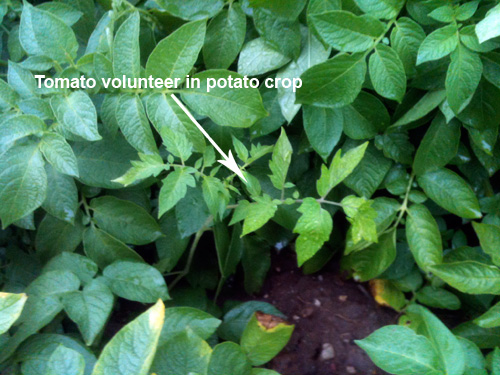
(342, 298)
(350, 370)
(317, 302)
(296, 317)
(308, 311)
(327, 352)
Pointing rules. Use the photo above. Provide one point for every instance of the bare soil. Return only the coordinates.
(329, 312)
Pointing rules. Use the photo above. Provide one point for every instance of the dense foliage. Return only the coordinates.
(387, 152)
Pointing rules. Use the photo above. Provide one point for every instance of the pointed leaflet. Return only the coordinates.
(257, 214)
(347, 32)
(257, 58)
(280, 162)
(399, 350)
(284, 8)
(18, 127)
(59, 154)
(36, 25)
(11, 306)
(135, 281)
(488, 27)
(424, 239)
(21, 80)
(132, 349)
(55, 236)
(125, 220)
(126, 49)
(77, 114)
(362, 217)
(334, 83)
(84, 268)
(174, 188)
(237, 107)
(134, 124)
(462, 79)
(65, 361)
(175, 55)
(451, 192)
(314, 228)
(228, 358)
(192, 9)
(489, 238)
(423, 107)
(446, 344)
(439, 145)
(340, 168)
(490, 319)
(438, 44)
(23, 182)
(225, 37)
(216, 196)
(104, 249)
(387, 73)
(323, 127)
(406, 37)
(386, 9)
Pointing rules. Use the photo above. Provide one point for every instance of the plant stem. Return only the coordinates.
(192, 250)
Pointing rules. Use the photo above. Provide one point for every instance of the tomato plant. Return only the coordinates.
(387, 151)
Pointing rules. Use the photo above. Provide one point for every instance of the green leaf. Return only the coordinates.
(257, 214)
(462, 79)
(65, 361)
(323, 127)
(191, 212)
(491, 318)
(99, 163)
(192, 9)
(80, 265)
(8, 97)
(126, 49)
(125, 220)
(489, 238)
(135, 281)
(237, 107)
(365, 117)
(104, 249)
(449, 349)
(430, 101)
(362, 217)
(59, 154)
(314, 228)
(438, 298)
(387, 73)
(132, 349)
(386, 9)
(23, 182)
(261, 342)
(313, 52)
(487, 28)
(34, 28)
(438, 44)
(89, 309)
(228, 359)
(53, 283)
(445, 14)
(257, 57)
(174, 189)
(21, 80)
(55, 236)
(11, 306)
(406, 37)
(283, 8)
(216, 196)
(175, 55)
(18, 127)
(347, 32)
(423, 237)
(282, 34)
(168, 117)
(400, 350)
(340, 168)
(469, 276)
(76, 114)
(451, 192)
(68, 14)
(149, 165)
(482, 112)
(134, 124)
(439, 145)
(184, 354)
(334, 83)
(280, 161)
(225, 37)
(181, 319)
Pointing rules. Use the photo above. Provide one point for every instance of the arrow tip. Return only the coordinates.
(230, 163)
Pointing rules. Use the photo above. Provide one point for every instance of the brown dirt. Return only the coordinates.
(326, 310)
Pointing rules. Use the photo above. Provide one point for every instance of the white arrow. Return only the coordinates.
(228, 161)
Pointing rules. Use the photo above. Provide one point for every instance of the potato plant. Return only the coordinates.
(110, 197)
